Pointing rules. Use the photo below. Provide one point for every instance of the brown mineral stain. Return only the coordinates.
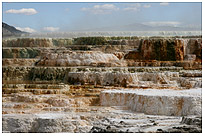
(140, 100)
(160, 99)
(180, 105)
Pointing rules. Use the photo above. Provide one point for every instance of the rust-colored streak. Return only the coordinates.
(180, 105)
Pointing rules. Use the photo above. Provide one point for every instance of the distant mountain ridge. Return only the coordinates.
(143, 27)
(9, 31)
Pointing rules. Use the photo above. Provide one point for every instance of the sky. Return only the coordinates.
(68, 16)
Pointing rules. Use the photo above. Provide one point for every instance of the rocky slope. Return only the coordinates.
(10, 31)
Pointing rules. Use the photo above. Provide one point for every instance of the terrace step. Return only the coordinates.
(35, 86)
(156, 102)
(191, 73)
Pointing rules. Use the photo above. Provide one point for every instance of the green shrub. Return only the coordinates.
(7, 53)
(23, 53)
(33, 52)
(90, 41)
(62, 42)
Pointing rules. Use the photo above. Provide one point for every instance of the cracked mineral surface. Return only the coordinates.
(129, 85)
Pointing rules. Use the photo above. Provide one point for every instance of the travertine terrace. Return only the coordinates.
(102, 84)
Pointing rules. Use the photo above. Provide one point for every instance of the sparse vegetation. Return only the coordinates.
(90, 41)
(62, 42)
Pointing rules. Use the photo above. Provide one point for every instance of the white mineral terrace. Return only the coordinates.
(117, 33)
(155, 101)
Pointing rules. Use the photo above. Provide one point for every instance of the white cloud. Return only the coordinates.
(164, 4)
(163, 23)
(85, 9)
(101, 9)
(26, 29)
(51, 29)
(133, 7)
(147, 6)
(25, 11)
